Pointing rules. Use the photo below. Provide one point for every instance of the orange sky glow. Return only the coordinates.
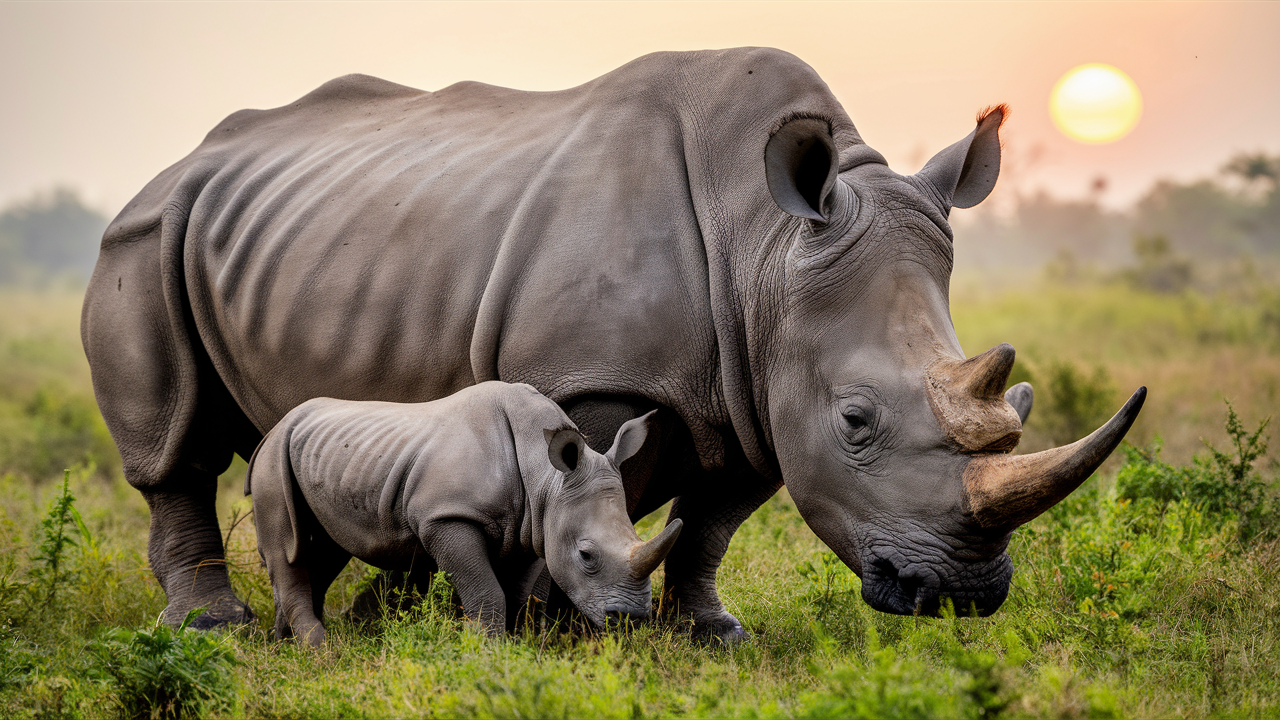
(102, 96)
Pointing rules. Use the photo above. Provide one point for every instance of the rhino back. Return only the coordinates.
(376, 242)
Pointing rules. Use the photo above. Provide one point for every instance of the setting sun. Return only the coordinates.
(1095, 103)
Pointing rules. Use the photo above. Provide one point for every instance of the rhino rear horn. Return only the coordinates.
(965, 173)
(967, 397)
(801, 164)
(1021, 397)
(648, 555)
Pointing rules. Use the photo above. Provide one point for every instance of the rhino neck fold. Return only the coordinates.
(537, 489)
(744, 233)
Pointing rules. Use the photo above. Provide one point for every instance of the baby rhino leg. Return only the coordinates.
(282, 533)
(325, 561)
(461, 550)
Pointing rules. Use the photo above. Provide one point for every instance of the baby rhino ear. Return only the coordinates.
(564, 448)
(630, 439)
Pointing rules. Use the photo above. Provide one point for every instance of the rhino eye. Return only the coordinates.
(858, 420)
(588, 557)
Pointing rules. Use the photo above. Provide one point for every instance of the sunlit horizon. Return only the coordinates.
(104, 96)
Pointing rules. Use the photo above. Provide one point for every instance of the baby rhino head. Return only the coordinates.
(590, 545)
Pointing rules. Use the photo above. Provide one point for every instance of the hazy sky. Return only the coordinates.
(102, 96)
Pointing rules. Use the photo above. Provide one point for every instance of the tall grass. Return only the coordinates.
(1136, 597)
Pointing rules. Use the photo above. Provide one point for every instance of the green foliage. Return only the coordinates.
(826, 581)
(1222, 486)
(887, 686)
(165, 673)
(68, 430)
(48, 417)
(49, 566)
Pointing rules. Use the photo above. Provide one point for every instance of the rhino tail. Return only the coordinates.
(271, 472)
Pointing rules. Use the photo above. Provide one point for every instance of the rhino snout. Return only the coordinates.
(894, 585)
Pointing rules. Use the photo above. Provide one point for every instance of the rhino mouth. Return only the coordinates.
(893, 585)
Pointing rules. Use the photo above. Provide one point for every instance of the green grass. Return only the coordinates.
(1126, 603)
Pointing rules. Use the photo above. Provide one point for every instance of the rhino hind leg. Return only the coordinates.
(280, 533)
(172, 419)
(326, 562)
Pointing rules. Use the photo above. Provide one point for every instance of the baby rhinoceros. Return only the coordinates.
(480, 484)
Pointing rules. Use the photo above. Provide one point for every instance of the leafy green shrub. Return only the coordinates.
(166, 673)
(48, 565)
(1222, 485)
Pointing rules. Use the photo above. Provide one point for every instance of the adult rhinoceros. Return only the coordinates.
(704, 233)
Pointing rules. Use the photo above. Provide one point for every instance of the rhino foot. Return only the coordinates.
(722, 631)
(221, 612)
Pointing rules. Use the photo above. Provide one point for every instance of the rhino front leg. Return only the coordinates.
(711, 516)
(461, 549)
(186, 554)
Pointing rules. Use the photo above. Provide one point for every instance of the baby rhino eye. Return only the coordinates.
(587, 555)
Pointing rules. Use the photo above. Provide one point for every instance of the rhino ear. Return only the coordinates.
(801, 164)
(965, 173)
(564, 448)
(630, 439)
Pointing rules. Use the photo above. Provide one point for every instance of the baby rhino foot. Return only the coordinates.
(308, 631)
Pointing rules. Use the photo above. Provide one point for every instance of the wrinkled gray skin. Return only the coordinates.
(479, 484)
(703, 233)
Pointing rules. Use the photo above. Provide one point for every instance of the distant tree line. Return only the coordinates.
(50, 235)
(1232, 215)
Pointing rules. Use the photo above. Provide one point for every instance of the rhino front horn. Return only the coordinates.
(1004, 491)
(648, 555)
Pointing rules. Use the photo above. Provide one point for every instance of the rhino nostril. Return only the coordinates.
(910, 586)
(885, 568)
(617, 617)
(910, 589)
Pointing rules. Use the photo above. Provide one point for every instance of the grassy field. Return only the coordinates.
(1149, 593)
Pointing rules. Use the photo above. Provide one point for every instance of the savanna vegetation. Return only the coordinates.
(1150, 592)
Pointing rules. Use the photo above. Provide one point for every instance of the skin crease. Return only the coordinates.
(638, 243)
(480, 484)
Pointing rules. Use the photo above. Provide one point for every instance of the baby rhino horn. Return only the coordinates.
(647, 556)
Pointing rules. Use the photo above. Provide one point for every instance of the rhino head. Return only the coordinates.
(894, 447)
(589, 544)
